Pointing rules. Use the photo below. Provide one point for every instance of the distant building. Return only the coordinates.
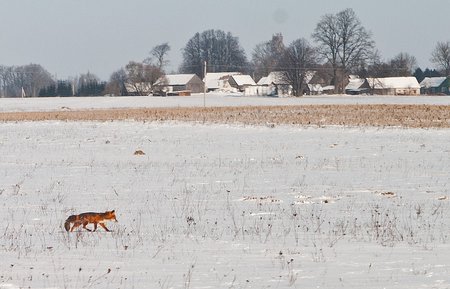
(275, 85)
(394, 86)
(329, 89)
(219, 80)
(241, 82)
(435, 85)
(172, 83)
(314, 83)
(314, 89)
(357, 86)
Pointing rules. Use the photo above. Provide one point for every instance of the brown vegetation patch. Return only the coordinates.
(139, 153)
(388, 194)
(422, 116)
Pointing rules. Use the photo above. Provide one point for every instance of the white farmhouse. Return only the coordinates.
(275, 85)
(241, 82)
(218, 80)
(172, 83)
(435, 85)
(394, 85)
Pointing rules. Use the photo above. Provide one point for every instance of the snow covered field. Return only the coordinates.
(212, 99)
(216, 206)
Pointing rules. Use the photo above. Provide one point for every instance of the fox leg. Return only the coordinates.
(95, 227)
(75, 225)
(104, 227)
(84, 226)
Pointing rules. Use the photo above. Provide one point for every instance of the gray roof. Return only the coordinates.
(429, 82)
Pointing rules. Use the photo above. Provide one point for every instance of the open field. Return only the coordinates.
(421, 116)
(220, 206)
(380, 111)
(256, 195)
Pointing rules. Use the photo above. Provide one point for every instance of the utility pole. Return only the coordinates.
(204, 86)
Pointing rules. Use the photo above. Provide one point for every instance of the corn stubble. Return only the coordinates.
(414, 116)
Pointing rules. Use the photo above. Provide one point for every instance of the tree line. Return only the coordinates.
(341, 46)
(33, 80)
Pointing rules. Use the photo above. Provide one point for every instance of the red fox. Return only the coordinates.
(89, 217)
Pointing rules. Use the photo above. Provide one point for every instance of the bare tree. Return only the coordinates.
(296, 61)
(117, 82)
(266, 56)
(5, 75)
(357, 43)
(220, 50)
(158, 56)
(326, 34)
(403, 64)
(343, 42)
(441, 56)
(29, 78)
(141, 77)
(36, 78)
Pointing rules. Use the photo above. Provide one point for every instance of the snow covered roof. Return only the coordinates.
(275, 77)
(429, 82)
(355, 83)
(212, 79)
(177, 79)
(309, 75)
(243, 80)
(393, 82)
(264, 81)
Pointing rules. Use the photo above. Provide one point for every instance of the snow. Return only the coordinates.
(214, 80)
(315, 88)
(275, 77)
(243, 80)
(309, 75)
(218, 206)
(178, 79)
(355, 84)
(264, 81)
(196, 100)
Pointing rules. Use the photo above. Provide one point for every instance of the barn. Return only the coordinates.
(435, 85)
(394, 85)
(180, 82)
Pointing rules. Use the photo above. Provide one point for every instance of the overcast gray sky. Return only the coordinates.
(69, 37)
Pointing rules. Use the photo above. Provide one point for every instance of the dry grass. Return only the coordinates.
(421, 116)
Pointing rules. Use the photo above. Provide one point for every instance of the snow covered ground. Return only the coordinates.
(215, 206)
(211, 99)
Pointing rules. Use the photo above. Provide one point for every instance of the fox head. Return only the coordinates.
(111, 215)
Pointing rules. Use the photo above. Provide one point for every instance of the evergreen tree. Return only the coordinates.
(64, 88)
(49, 91)
(419, 75)
(431, 73)
(91, 89)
